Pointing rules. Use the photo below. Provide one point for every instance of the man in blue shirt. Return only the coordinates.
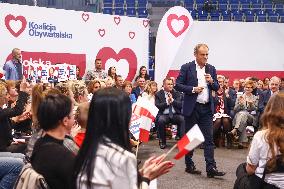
(13, 68)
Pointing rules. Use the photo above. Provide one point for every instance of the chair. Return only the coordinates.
(107, 10)
(130, 3)
(272, 16)
(234, 2)
(202, 15)
(268, 6)
(119, 11)
(281, 19)
(223, 7)
(226, 16)
(254, 2)
(261, 16)
(257, 7)
(237, 16)
(278, 7)
(107, 3)
(142, 13)
(118, 3)
(189, 4)
(142, 4)
(249, 16)
(234, 7)
(131, 12)
(215, 16)
(223, 1)
(193, 14)
(245, 7)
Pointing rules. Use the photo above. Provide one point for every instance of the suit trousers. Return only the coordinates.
(203, 117)
(163, 120)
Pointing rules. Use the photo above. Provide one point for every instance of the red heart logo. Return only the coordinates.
(85, 16)
(183, 18)
(131, 35)
(17, 19)
(107, 52)
(116, 20)
(102, 32)
(145, 23)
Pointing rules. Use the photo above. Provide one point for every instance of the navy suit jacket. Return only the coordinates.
(187, 79)
(136, 92)
(160, 101)
(263, 99)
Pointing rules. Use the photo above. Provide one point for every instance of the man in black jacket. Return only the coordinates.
(169, 103)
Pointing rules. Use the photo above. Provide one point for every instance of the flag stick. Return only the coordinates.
(167, 153)
(170, 150)
(137, 147)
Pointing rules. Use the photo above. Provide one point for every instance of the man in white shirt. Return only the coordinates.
(196, 80)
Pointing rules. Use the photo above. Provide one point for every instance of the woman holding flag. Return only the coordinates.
(105, 160)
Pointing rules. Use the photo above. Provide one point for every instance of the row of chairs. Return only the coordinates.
(131, 12)
(247, 16)
(227, 1)
(269, 6)
(125, 3)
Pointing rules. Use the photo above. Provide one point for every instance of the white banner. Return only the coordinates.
(52, 36)
(173, 31)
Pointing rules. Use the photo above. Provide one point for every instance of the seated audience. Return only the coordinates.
(105, 160)
(169, 103)
(50, 157)
(245, 113)
(265, 161)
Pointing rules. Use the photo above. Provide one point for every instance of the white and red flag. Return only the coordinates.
(147, 112)
(189, 141)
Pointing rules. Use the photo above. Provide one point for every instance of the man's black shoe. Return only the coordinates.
(163, 145)
(214, 172)
(192, 170)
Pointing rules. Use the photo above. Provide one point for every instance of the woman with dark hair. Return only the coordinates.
(50, 157)
(112, 72)
(105, 160)
(143, 73)
(265, 160)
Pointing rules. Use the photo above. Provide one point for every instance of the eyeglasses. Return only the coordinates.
(249, 87)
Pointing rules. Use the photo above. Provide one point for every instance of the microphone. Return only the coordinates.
(207, 69)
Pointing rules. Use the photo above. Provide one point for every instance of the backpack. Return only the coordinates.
(30, 179)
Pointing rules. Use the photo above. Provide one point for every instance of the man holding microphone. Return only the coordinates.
(197, 80)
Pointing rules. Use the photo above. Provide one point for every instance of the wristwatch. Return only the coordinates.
(144, 179)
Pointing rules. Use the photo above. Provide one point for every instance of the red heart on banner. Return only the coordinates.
(85, 16)
(15, 31)
(173, 17)
(145, 23)
(107, 53)
(116, 20)
(102, 32)
(131, 35)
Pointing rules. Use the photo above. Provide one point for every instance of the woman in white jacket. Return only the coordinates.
(105, 160)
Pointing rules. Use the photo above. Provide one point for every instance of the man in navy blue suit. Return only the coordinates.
(196, 80)
(274, 85)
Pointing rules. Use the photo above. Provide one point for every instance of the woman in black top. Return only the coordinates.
(50, 158)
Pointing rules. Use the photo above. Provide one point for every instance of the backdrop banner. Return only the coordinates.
(53, 36)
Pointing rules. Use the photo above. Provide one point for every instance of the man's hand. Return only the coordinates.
(208, 78)
(198, 89)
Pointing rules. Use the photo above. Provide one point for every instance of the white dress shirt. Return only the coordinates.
(202, 97)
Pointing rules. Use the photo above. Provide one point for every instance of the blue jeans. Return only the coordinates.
(10, 168)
